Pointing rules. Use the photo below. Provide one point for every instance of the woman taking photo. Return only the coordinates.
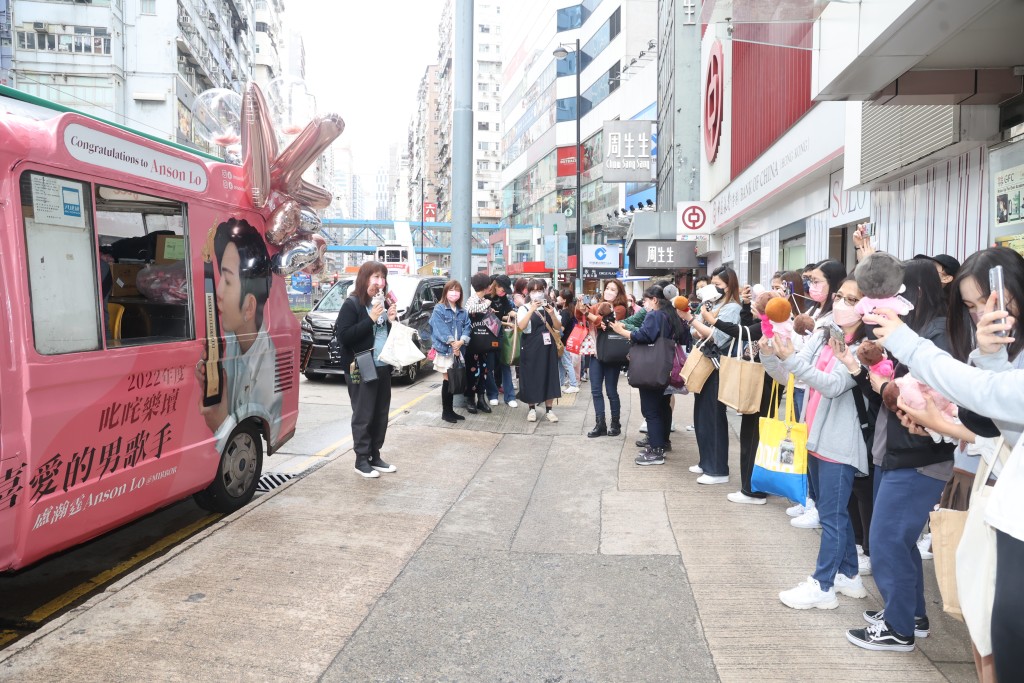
(538, 359)
(363, 324)
(655, 404)
(709, 420)
(565, 304)
(835, 457)
(449, 332)
(604, 376)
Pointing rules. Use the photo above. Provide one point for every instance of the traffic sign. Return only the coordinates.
(429, 211)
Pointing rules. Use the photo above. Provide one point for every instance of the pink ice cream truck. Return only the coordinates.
(147, 349)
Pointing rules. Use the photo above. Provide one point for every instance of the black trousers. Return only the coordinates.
(861, 508)
(1008, 608)
(711, 429)
(371, 403)
(750, 436)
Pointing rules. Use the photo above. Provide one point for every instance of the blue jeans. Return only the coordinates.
(491, 384)
(605, 374)
(506, 382)
(711, 429)
(905, 497)
(566, 369)
(837, 553)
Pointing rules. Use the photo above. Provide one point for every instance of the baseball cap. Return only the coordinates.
(948, 263)
(503, 281)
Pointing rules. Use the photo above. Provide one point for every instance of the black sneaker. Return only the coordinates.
(363, 468)
(877, 616)
(651, 456)
(381, 466)
(643, 443)
(881, 638)
(668, 447)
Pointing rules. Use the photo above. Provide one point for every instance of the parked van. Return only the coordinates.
(147, 353)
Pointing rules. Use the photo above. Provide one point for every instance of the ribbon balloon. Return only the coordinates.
(284, 222)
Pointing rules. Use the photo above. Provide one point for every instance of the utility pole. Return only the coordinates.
(423, 200)
(462, 143)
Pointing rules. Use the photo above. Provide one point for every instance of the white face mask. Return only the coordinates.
(537, 296)
(708, 293)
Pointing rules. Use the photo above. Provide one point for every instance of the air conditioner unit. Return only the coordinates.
(182, 59)
(190, 70)
(184, 19)
(39, 26)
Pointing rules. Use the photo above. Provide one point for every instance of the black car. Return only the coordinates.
(416, 296)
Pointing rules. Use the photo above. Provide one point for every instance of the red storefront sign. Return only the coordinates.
(566, 162)
(526, 267)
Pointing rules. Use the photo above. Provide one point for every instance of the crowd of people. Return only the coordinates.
(878, 464)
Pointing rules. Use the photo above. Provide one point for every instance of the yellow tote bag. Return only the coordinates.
(780, 466)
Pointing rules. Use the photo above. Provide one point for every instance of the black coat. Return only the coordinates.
(354, 330)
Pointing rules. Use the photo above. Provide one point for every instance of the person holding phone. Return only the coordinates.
(449, 332)
(538, 359)
(363, 324)
(604, 377)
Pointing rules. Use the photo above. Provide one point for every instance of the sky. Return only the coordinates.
(364, 61)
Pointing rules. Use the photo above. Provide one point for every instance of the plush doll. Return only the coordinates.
(803, 324)
(777, 313)
(914, 394)
(681, 303)
(871, 354)
(880, 279)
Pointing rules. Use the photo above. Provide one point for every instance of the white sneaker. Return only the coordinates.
(740, 497)
(643, 427)
(513, 404)
(864, 565)
(493, 401)
(796, 510)
(550, 416)
(808, 520)
(809, 595)
(531, 416)
(924, 546)
(708, 479)
(571, 390)
(672, 428)
(696, 469)
(850, 587)
(860, 550)
(690, 428)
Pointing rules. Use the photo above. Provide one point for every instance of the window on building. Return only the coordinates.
(483, 165)
(483, 125)
(481, 205)
(484, 28)
(481, 185)
(604, 86)
(482, 87)
(483, 106)
(78, 39)
(483, 47)
(147, 6)
(90, 94)
(602, 38)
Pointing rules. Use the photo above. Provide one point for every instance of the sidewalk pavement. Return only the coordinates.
(501, 550)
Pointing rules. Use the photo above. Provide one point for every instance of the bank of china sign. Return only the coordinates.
(628, 151)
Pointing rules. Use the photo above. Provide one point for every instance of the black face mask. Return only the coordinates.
(721, 292)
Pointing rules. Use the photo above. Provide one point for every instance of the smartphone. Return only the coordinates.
(995, 283)
(708, 305)
(838, 335)
(390, 298)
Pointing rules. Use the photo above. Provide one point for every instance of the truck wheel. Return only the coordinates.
(238, 473)
(412, 372)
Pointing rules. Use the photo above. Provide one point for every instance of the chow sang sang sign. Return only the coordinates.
(628, 151)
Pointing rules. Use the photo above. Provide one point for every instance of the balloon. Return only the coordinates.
(295, 255)
(321, 245)
(292, 105)
(316, 267)
(218, 117)
(287, 169)
(259, 145)
(313, 195)
(309, 223)
(283, 222)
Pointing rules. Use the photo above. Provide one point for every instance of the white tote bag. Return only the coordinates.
(400, 349)
(976, 556)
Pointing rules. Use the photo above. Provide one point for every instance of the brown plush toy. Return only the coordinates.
(890, 395)
(803, 324)
(871, 354)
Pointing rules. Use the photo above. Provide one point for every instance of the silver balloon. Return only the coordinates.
(283, 223)
(316, 267)
(305, 149)
(295, 255)
(309, 223)
(320, 243)
(259, 145)
(312, 195)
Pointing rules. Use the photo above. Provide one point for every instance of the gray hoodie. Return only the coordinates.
(835, 433)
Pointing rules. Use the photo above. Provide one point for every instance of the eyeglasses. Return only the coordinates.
(850, 301)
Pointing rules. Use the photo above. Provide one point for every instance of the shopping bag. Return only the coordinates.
(401, 348)
(741, 381)
(947, 527)
(697, 368)
(511, 342)
(651, 364)
(675, 378)
(457, 377)
(574, 344)
(976, 553)
(612, 348)
(780, 466)
(483, 333)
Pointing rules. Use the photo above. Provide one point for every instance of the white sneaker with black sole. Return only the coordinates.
(851, 587)
(881, 638)
(643, 427)
(877, 616)
(808, 595)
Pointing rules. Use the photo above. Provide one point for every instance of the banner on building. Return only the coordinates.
(664, 255)
(600, 256)
(1009, 186)
(628, 150)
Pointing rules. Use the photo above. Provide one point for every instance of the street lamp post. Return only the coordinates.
(561, 52)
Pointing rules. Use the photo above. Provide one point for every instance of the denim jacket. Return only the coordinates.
(446, 326)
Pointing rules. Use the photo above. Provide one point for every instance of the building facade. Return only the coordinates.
(270, 56)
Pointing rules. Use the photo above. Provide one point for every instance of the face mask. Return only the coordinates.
(818, 291)
(537, 296)
(609, 295)
(709, 293)
(721, 292)
(454, 296)
(844, 314)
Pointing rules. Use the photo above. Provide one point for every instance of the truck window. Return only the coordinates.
(61, 253)
(147, 287)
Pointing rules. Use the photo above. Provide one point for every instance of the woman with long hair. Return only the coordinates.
(565, 305)
(709, 419)
(604, 376)
(538, 359)
(661, 321)
(363, 324)
(831, 415)
(449, 332)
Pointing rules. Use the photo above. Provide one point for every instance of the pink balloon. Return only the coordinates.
(284, 222)
(317, 136)
(313, 195)
(259, 145)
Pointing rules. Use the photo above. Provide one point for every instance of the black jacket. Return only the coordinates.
(568, 321)
(903, 449)
(500, 305)
(354, 330)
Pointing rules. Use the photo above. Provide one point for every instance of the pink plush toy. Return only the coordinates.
(880, 280)
(914, 393)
